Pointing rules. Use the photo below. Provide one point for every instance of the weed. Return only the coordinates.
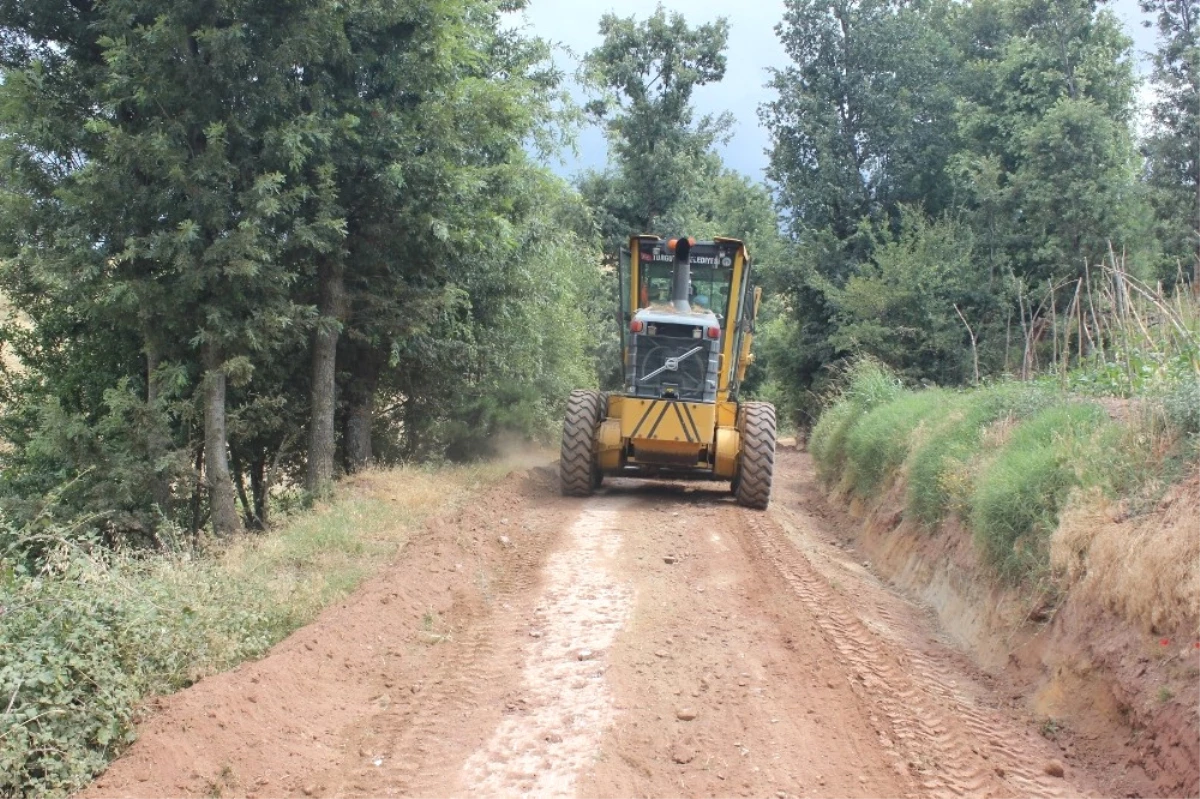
(941, 469)
(1182, 405)
(869, 383)
(1165, 694)
(864, 385)
(429, 620)
(430, 624)
(1005, 458)
(878, 443)
(1051, 728)
(827, 443)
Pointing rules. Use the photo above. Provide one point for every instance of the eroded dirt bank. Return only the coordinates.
(654, 640)
(1114, 680)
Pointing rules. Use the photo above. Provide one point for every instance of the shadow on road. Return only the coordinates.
(699, 493)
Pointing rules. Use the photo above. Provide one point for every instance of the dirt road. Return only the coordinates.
(655, 640)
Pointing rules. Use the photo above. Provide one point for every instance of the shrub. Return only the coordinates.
(1004, 457)
(1181, 403)
(89, 632)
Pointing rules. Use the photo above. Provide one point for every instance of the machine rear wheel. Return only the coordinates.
(756, 464)
(578, 473)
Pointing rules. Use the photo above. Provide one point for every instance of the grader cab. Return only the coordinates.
(687, 321)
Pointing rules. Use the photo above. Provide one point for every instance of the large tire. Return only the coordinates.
(578, 473)
(756, 464)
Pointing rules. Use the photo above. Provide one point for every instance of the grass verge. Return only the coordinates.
(1005, 458)
(92, 633)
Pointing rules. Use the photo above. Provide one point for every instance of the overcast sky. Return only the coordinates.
(753, 49)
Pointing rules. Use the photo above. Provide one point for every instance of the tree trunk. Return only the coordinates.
(365, 364)
(321, 437)
(197, 493)
(222, 499)
(252, 521)
(259, 488)
(160, 487)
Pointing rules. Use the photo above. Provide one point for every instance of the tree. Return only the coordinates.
(243, 237)
(169, 179)
(863, 123)
(429, 180)
(645, 74)
(910, 305)
(1173, 147)
(863, 120)
(1048, 163)
(1008, 123)
(509, 339)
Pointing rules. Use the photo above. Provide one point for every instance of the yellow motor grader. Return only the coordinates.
(687, 320)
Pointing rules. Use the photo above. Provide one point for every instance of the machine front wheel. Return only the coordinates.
(578, 474)
(756, 464)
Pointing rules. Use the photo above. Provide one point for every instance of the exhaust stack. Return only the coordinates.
(682, 281)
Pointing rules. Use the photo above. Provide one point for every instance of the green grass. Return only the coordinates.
(92, 632)
(878, 442)
(1019, 492)
(828, 440)
(1003, 458)
(865, 385)
(939, 470)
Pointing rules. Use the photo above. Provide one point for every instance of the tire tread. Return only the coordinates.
(752, 488)
(577, 465)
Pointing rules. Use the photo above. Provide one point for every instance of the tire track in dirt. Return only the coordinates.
(415, 753)
(924, 722)
(722, 678)
(653, 640)
(405, 766)
(566, 705)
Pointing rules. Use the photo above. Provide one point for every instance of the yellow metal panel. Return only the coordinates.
(727, 414)
(609, 445)
(667, 420)
(730, 331)
(635, 269)
(745, 357)
(615, 402)
(729, 442)
(675, 451)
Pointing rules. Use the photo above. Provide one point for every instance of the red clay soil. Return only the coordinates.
(1116, 694)
(654, 640)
